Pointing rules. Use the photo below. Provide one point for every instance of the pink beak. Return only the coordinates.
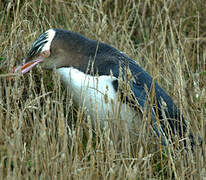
(27, 66)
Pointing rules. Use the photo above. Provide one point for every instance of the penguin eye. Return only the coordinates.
(45, 54)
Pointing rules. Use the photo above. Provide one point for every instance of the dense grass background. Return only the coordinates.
(43, 136)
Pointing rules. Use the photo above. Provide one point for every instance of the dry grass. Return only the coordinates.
(39, 139)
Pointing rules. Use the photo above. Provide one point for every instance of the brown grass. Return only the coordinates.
(43, 136)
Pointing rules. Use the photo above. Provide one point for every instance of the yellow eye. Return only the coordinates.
(45, 53)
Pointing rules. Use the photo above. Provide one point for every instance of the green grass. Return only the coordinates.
(42, 135)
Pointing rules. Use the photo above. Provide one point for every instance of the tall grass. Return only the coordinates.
(42, 135)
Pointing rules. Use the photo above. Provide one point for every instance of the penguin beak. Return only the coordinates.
(27, 66)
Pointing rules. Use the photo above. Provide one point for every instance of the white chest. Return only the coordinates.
(96, 95)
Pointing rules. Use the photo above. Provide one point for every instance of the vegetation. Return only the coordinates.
(42, 136)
